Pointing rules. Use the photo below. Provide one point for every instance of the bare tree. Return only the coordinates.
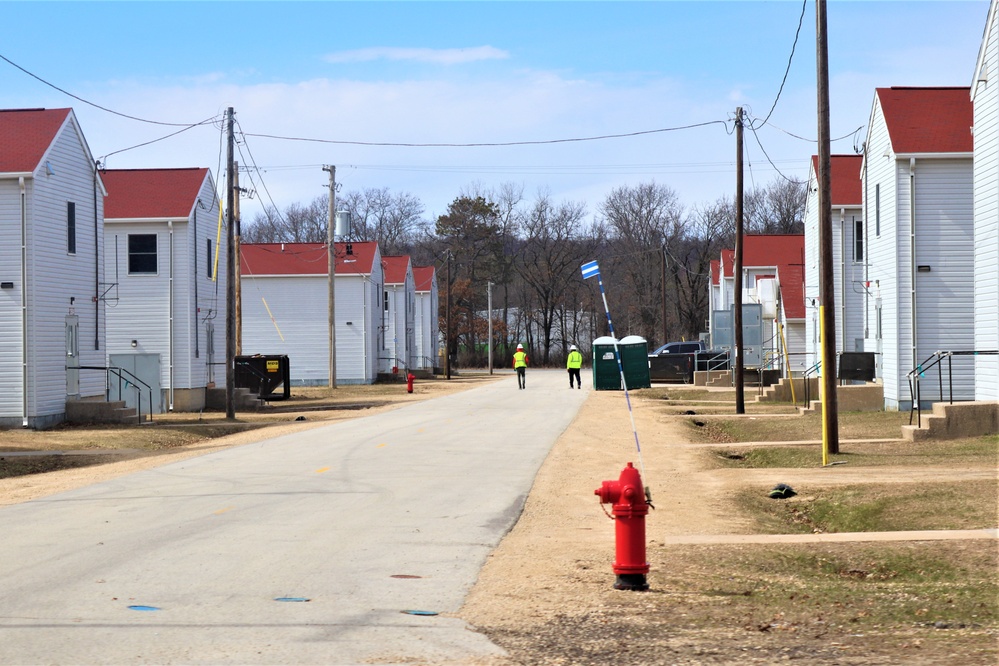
(391, 219)
(298, 224)
(642, 220)
(710, 229)
(777, 208)
(550, 258)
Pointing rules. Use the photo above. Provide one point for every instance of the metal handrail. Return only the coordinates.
(707, 361)
(815, 369)
(132, 379)
(935, 360)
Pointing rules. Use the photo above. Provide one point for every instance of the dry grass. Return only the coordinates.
(808, 427)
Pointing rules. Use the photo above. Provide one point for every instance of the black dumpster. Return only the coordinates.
(263, 374)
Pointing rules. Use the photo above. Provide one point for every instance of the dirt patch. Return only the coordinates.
(545, 594)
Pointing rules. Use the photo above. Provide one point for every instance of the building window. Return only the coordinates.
(858, 241)
(142, 254)
(71, 227)
(877, 209)
(209, 261)
(385, 304)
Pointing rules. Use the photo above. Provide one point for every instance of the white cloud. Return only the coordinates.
(435, 56)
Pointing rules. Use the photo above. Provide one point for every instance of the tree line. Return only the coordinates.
(654, 255)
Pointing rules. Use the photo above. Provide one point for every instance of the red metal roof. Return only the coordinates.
(773, 249)
(424, 277)
(152, 193)
(715, 268)
(395, 268)
(305, 258)
(25, 135)
(928, 120)
(784, 251)
(792, 290)
(844, 179)
(728, 261)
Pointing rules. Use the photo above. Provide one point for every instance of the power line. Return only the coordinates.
(146, 143)
(788, 69)
(802, 138)
(98, 106)
(760, 143)
(259, 175)
(489, 144)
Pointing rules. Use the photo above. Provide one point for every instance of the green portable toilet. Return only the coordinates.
(606, 375)
(635, 361)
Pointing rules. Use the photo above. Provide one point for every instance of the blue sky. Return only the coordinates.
(475, 72)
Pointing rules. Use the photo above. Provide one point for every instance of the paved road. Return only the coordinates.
(366, 519)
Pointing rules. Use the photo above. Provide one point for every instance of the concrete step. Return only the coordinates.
(243, 400)
(99, 411)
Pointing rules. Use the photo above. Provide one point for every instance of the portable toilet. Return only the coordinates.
(606, 374)
(635, 361)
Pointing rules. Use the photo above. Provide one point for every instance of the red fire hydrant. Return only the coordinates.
(409, 382)
(630, 507)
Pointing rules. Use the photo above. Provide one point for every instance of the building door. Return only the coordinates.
(137, 382)
(72, 356)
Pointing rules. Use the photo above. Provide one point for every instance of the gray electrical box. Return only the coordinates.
(753, 335)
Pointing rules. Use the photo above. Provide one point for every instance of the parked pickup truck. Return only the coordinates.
(674, 362)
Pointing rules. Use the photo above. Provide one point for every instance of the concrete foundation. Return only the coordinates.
(850, 398)
(951, 421)
(186, 400)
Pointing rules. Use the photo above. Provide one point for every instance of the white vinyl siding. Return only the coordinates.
(944, 296)
(10, 299)
(58, 283)
(426, 322)
(810, 343)
(299, 306)
(945, 245)
(882, 254)
(400, 321)
(140, 302)
(986, 178)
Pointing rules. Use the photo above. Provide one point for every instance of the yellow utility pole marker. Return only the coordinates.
(825, 438)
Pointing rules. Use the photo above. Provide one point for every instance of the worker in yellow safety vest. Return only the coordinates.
(573, 362)
(520, 362)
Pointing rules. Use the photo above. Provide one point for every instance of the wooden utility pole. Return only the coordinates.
(739, 378)
(489, 292)
(331, 266)
(238, 272)
(230, 285)
(663, 263)
(447, 322)
(827, 310)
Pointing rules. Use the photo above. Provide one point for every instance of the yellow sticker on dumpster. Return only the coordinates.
(272, 366)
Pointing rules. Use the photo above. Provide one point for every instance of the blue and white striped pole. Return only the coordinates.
(589, 270)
